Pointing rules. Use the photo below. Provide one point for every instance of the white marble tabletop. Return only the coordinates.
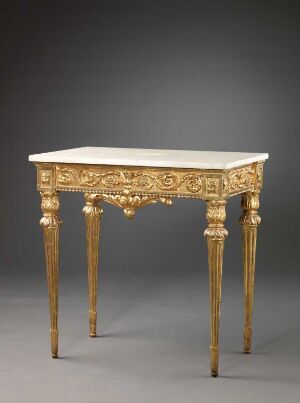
(150, 157)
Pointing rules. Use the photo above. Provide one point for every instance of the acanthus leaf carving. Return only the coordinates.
(50, 208)
(92, 207)
(241, 178)
(46, 176)
(259, 175)
(216, 216)
(167, 181)
(250, 206)
(66, 175)
(193, 183)
(89, 178)
(182, 182)
(111, 179)
(129, 202)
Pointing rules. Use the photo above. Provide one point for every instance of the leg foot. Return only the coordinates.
(214, 358)
(93, 323)
(54, 343)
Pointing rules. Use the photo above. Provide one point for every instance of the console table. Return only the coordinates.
(134, 178)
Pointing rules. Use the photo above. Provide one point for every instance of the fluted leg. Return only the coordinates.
(250, 221)
(215, 235)
(92, 212)
(50, 223)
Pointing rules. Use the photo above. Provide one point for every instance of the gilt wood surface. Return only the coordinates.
(204, 183)
(131, 187)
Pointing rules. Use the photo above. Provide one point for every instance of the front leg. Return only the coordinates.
(215, 235)
(250, 221)
(50, 223)
(92, 212)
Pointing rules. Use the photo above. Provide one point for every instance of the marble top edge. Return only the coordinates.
(150, 157)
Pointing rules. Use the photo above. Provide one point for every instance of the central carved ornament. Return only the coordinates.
(129, 203)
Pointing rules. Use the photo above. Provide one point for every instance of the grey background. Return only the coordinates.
(158, 74)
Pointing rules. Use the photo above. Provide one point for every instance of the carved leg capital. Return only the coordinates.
(250, 206)
(92, 205)
(50, 223)
(249, 221)
(50, 207)
(216, 216)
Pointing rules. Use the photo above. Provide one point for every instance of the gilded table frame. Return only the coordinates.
(130, 188)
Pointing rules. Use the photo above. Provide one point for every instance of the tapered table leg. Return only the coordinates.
(50, 223)
(250, 221)
(92, 212)
(215, 235)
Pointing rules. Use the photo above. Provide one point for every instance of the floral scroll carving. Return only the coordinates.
(196, 183)
(240, 179)
(259, 178)
(193, 183)
(46, 176)
(167, 181)
(212, 186)
(129, 179)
